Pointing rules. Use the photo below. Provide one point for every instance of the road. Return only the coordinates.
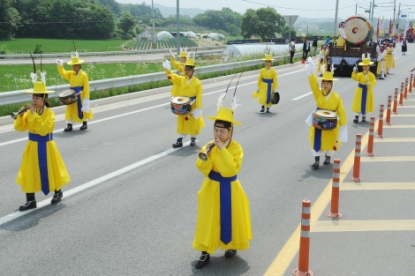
(130, 208)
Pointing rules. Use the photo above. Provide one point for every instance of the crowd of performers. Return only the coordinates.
(223, 216)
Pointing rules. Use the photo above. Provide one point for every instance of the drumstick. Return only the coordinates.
(171, 53)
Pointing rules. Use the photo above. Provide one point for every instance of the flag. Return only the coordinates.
(390, 27)
(382, 27)
(377, 30)
(406, 26)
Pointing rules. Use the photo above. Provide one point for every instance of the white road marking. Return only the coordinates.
(91, 183)
(302, 96)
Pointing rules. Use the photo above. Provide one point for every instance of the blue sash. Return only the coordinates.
(269, 82)
(225, 205)
(78, 90)
(42, 158)
(364, 95)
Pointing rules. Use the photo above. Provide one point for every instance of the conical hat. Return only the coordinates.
(183, 54)
(39, 88)
(190, 62)
(268, 58)
(328, 76)
(75, 60)
(224, 114)
(366, 62)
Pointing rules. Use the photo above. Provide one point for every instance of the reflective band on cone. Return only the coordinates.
(335, 191)
(401, 95)
(371, 137)
(405, 91)
(356, 166)
(303, 255)
(395, 102)
(380, 126)
(388, 111)
(411, 83)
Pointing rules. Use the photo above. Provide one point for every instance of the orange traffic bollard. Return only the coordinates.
(371, 137)
(413, 83)
(388, 111)
(356, 166)
(410, 83)
(405, 90)
(395, 102)
(303, 255)
(335, 193)
(380, 126)
(401, 95)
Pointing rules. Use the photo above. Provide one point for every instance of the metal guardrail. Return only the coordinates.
(20, 96)
(112, 53)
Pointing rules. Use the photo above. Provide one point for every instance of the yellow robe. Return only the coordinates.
(390, 60)
(370, 99)
(322, 61)
(227, 162)
(179, 66)
(381, 63)
(29, 174)
(187, 124)
(76, 80)
(333, 103)
(270, 74)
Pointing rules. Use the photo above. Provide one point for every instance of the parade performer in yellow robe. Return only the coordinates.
(179, 66)
(267, 84)
(390, 60)
(382, 65)
(363, 102)
(341, 40)
(42, 167)
(79, 111)
(187, 86)
(322, 61)
(223, 216)
(327, 141)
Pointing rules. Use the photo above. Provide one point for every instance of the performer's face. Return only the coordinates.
(188, 71)
(326, 85)
(37, 101)
(183, 60)
(76, 67)
(267, 64)
(221, 132)
(366, 68)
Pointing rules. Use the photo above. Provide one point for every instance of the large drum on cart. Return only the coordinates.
(358, 30)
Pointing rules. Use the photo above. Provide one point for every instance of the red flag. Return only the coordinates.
(390, 26)
(377, 30)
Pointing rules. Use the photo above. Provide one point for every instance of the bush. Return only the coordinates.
(3, 50)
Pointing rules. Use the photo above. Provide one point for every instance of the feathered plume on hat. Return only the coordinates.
(33, 75)
(221, 99)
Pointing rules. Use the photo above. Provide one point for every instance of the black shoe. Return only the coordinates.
(327, 161)
(316, 163)
(203, 260)
(28, 205)
(57, 197)
(68, 128)
(262, 109)
(356, 119)
(193, 142)
(364, 119)
(230, 253)
(267, 109)
(178, 144)
(84, 126)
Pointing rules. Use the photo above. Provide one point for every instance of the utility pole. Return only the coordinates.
(154, 29)
(373, 9)
(335, 18)
(394, 11)
(178, 28)
(399, 13)
(355, 13)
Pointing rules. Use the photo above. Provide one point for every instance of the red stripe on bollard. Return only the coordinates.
(380, 126)
(405, 91)
(388, 111)
(401, 95)
(395, 102)
(356, 167)
(304, 252)
(335, 191)
(371, 137)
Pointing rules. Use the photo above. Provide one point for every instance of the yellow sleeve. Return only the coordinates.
(20, 124)
(204, 166)
(342, 113)
(41, 125)
(260, 79)
(229, 161)
(86, 90)
(64, 74)
(372, 80)
(275, 81)
(175, 64)
(355, 76)
(199, 94)
(312, 80)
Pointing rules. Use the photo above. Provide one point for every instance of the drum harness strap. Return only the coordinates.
(269, 82)
(42, 158)
(225, 205)
(317, 136)
(364, 96)
(78, 90)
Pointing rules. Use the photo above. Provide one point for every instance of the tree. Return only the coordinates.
(224, 19)
(264, 22)
(126, 22)
(10, 20)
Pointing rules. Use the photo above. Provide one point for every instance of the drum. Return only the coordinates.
(181, 105)
(68, 97)
(275, 98)
(325, 119)
(358, 30)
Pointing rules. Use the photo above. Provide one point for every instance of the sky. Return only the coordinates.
(303, 8)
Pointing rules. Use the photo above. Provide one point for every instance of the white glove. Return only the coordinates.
(196, 113)
(355, 69)
(59, 62)
(167, 65)
(309, 66)
(86, 105)
(368, 83)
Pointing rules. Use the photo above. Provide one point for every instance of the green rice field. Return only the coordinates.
(26, 45)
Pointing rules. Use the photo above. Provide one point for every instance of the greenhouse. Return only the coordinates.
(253, 49)
(163, 35)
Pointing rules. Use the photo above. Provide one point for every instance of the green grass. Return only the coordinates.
(26, 45)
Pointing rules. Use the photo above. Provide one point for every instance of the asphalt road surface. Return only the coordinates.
(130, 208)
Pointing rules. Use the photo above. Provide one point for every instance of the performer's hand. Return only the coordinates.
(167, 65)
(59, 62)
(32, 108)
(218, 143)
(355, 69)
(368, 83)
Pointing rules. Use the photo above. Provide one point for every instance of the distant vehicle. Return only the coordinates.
(410, 34)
